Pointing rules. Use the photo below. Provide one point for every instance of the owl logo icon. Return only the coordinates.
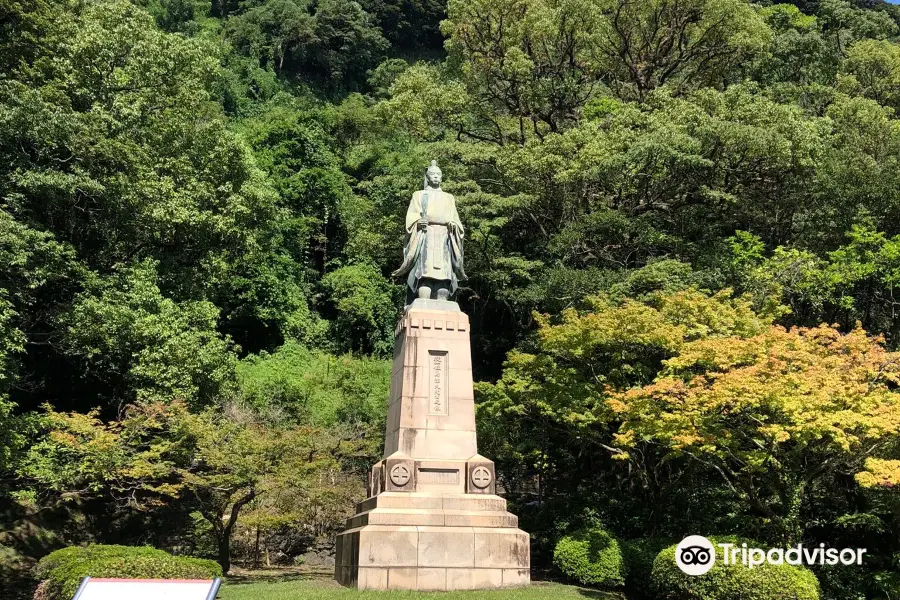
(695, 555)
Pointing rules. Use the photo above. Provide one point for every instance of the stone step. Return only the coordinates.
(430, 579)
(470, 502)
(432, 558)
(433, 517)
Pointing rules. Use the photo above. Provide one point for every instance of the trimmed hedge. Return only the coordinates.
(62, 571)
(591, 556)
(639, 556)
(732, 582)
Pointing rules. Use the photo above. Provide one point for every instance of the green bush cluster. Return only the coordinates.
(591, 556)
(639, 556)
(886, 584)
(732, 582)
(852, 582)
(62, 571)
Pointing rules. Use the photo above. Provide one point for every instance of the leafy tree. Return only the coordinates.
(232, 460)
(683, 44)
(305, 506)
(872, 69)
(865, 134)
(348, 45)
(158, 453)
(273, 32)
(245, 83)
(309, 387)
(541, 62)
(424, 103)
(534, 61)
(176, 16)
(142, 346)
(126, 130)
(333, 42)
(366, 307)
(798, 53)
(772, 414)
(296, 152)
(11, 344)
(114, 153)
(843, 23)
(409, 25)
(547, 423)
(851, 284)
(879, 472)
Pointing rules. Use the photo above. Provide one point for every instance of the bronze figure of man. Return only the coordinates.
(433, 254)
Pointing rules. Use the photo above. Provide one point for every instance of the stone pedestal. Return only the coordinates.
(432, 520)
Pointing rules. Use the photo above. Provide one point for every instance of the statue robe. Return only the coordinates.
(436, 252)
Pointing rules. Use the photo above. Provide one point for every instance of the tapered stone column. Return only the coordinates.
(432, 520)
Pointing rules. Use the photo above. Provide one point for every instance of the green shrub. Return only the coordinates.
(591, 556)
(845, 582)
(63, 570)
(732, 582)
(852, 582)
(886, 584)
(316, 388)
(639, 556)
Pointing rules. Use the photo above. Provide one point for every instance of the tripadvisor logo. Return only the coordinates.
(696, 555)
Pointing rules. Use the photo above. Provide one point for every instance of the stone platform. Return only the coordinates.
(432, 520)
(426, 541)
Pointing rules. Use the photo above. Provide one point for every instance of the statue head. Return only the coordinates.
(433, 175)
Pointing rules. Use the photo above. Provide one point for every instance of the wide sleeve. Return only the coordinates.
(414, 212)
(454, 216)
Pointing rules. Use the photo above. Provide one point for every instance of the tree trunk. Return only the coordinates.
(225, 552)
(256, 556)
(224, 534)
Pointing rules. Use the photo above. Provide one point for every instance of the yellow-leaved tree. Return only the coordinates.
(772, 414)
(683, 398)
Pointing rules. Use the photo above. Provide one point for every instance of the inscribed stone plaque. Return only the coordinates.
(429, 475)
(438, 385)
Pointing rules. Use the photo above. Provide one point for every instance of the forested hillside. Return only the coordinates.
(682, 236)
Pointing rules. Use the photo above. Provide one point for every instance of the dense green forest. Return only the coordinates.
(683, 235)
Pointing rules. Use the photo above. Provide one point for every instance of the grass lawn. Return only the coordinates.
(320, 587)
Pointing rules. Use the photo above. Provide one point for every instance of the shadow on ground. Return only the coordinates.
(539, 576)
(601, 595)
(324, 575)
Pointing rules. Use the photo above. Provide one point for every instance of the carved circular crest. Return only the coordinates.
(400, 475)
(481, 477)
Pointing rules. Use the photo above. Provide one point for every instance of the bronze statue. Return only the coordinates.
(433, 254)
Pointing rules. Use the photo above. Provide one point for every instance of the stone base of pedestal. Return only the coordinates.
(416, 541)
